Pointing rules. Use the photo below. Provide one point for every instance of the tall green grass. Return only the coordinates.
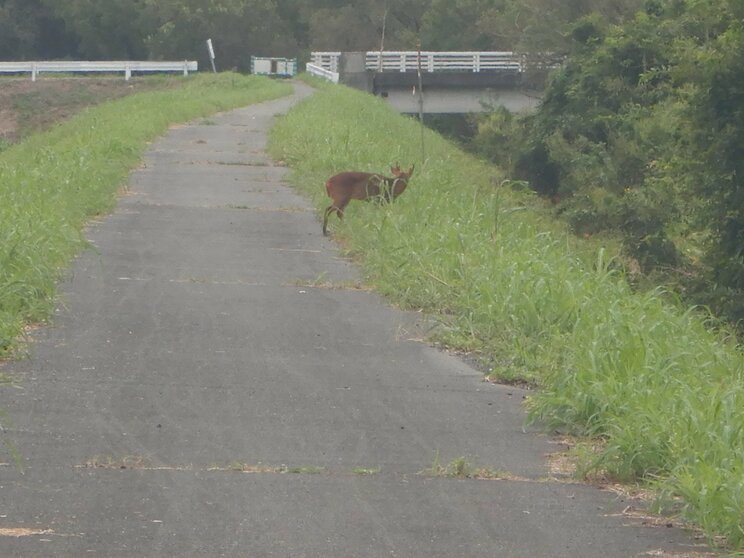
(53, 182)
(634, 369)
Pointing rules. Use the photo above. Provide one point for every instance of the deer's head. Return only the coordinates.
(403, 175)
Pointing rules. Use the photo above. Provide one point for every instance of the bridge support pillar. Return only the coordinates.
(352, 71)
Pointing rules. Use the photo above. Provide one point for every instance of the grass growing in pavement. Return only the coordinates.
(463, 467)
(664, 393)
(239, 467)
(53, 182)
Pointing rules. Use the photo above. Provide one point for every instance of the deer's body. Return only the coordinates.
(350, 185)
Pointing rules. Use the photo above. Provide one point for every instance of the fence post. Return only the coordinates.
(33, 71)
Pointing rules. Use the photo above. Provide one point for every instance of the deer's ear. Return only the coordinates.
(410, 171)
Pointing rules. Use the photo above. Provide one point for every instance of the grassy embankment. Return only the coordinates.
(661, 393)
(52, 183)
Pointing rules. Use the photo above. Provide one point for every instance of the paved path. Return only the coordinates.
(213, 386)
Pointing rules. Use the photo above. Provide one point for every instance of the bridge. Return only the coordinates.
(453, 82)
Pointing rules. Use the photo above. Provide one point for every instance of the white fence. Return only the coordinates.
(326, 60)
(127, 67)
(407, 61)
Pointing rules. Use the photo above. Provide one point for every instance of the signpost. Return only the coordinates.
(211, 54)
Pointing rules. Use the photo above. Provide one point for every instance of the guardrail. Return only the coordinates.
(127, 67)
(321, 72)
(407, 61)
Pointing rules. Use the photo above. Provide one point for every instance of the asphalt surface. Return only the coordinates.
(214, 384)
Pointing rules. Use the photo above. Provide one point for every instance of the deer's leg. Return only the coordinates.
(339, 210)
(327, 213)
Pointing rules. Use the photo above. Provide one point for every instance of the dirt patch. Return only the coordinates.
(8, 122)
(29, 106)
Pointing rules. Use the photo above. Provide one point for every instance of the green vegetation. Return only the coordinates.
(53, 182)
(640, 133)
(634, 369)
(463, 468)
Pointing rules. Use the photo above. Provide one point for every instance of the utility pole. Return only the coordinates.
(382, 38)
(420, 100)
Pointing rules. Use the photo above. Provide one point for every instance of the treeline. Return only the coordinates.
(177, 29)
(641, 132)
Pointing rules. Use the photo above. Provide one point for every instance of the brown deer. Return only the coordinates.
(347, 186)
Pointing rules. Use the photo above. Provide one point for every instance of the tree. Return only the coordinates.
(594, 142)
(105, 29)
(238, 29)
(29, 29)
(717, 110)
(345, 28)
(454, 25)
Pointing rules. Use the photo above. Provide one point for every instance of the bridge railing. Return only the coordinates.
(321, 72)
(407, 61)
(325, 60)
(125, 66)
(444, 61)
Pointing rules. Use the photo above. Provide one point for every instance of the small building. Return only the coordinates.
(277, 67)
